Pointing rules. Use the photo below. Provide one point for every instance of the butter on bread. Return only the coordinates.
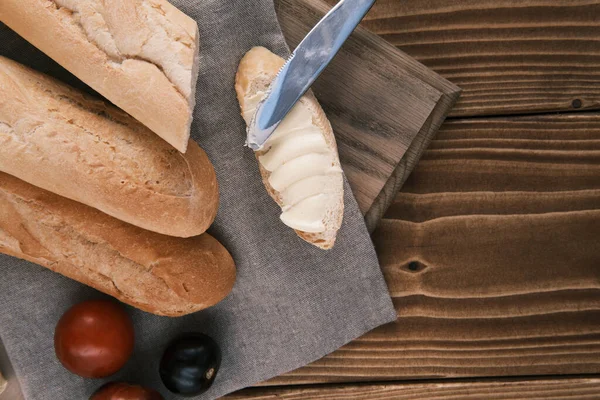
(299, 163)
(64, 141)
(142, 55)
(159, 274)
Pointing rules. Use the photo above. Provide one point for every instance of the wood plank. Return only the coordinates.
(533, 154)
(422, 207)
(541, 389)
(493, 271)
(364, 93)
(508, 56)
(480, 296)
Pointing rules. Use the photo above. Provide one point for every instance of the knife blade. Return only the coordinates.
(303, 67)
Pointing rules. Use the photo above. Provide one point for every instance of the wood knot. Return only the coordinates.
(576, 103)
(415, 266)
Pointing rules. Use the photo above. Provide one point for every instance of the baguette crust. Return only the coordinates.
(256, 71)
(96, 154)
(159, 274)
(142, 55)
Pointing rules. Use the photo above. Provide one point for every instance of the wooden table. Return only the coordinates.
(492, 249)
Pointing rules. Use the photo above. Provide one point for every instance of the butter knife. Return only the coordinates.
(303, 67)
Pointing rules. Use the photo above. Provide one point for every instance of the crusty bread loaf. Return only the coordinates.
(142, 55)
(160, 274)
(54, 137)
(256, 71)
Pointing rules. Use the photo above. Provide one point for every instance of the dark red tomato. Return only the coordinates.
(124, 391)
(94, 339)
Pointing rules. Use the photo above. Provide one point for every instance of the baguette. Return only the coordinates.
(299, 163)
(142, 55)
(59, 139)
(159, 274)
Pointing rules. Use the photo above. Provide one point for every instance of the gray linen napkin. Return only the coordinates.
(292, 303)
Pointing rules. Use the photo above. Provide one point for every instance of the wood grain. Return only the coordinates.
(508, 56)
(493, 262)
(365, 93)
(534, 154)
(541, 389)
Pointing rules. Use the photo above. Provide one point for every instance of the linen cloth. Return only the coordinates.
(292, 303)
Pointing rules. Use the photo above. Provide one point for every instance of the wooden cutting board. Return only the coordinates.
(384, 106)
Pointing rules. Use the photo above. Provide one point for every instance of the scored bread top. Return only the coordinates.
(159, 274)
(142, 55)
(57, 138)
(299, 163)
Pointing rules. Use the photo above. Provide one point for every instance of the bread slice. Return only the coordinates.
(142, 55)
(159, 274)
(256, 71)
(61, 140)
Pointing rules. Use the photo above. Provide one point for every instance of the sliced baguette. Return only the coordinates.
(256, 71)
(142, 55)
(159, 274)
(59, 139)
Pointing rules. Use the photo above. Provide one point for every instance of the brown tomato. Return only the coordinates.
(94, 339)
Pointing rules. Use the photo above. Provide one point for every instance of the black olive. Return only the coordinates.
(190, 363)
